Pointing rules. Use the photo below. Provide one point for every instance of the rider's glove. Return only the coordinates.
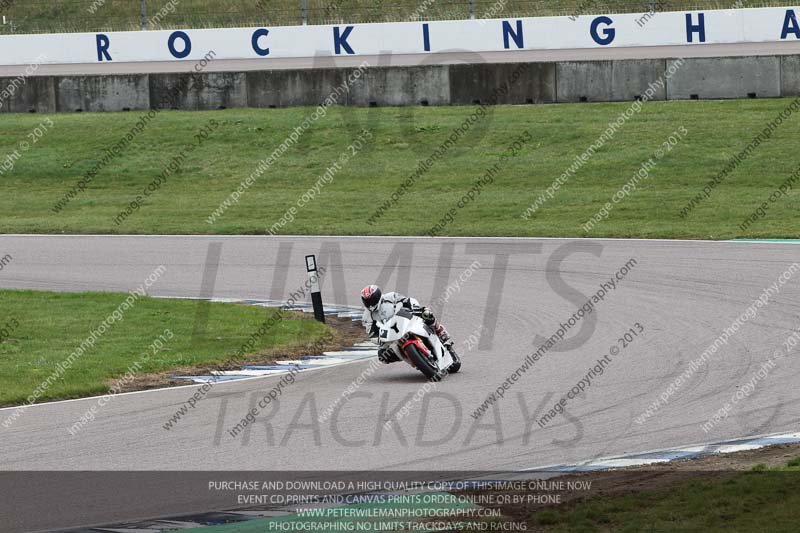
(427, 316)
(385, 355)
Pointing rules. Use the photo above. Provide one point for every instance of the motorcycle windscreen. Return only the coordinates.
(386, 311)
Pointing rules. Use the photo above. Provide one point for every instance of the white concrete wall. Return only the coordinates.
(660, 29)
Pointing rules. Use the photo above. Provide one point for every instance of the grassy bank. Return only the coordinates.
(201, 178)
(90, 15)
(40, 330)
(744, 502)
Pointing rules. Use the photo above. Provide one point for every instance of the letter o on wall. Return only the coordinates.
(187, 44)
(259, 33)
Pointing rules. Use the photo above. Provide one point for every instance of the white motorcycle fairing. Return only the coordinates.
(410, 338)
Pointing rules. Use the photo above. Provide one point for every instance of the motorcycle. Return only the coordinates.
(408, 336)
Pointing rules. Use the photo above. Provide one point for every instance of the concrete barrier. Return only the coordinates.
(102, 93)
(461, 84)
(631, 79)
(388, 86)
(198, 92)
(609, 81)
(726, 77)
(402, 86)
(527, 83)
(790, 76)
(285, 88)
(584, 81)
(28, 95)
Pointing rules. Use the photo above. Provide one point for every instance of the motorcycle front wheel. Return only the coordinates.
(456, 366)
(422, 363)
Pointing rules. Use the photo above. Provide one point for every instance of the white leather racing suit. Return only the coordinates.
(370, 318)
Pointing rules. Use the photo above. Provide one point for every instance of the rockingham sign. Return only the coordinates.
(495, 35)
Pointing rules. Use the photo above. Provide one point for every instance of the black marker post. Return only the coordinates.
(316, 295)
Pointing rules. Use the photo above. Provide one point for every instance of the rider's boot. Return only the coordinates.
(431, 321)
(443, 335)
(449, 346)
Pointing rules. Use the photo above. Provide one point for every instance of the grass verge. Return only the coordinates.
(744, 502)
(89, 15)
(741, 491)
(402, 137)
(40, 330)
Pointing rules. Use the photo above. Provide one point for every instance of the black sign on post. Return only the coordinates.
(316, 296)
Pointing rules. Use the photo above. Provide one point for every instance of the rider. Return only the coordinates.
(372, 297)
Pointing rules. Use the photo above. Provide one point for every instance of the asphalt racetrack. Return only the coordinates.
(682, 295)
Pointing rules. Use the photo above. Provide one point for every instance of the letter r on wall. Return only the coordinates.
(103, 44)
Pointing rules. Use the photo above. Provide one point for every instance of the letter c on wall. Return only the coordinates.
(259, 33)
